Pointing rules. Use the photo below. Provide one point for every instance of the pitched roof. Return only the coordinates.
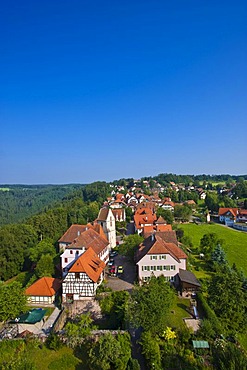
(103, 213)
(72, 233)
(147, 218)
(160, 220)
(168, 236)
(188, 277)
(90, 238)
(45, 287)
(222, 211)
(89, 263)
(154, 244)
(76, 230)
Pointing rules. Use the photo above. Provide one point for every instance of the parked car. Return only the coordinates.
(120, 270)
(113, 271)
(111, 262)
(113, 253)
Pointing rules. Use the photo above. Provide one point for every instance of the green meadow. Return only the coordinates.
(235, 242)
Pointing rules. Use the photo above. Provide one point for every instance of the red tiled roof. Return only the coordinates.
(45, 287)
(160, 221)
(168, 236)
(144, 219)
(89, 263)
(72, 233)
(156, 245)
(90, 238)
(103, 213)
(76, 230)
(243, 212)
(234, 211)
(162, 227)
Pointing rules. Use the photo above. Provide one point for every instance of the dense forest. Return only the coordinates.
(17, 240)
(18, 202)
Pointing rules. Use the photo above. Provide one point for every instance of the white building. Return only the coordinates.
(157, 257)
(107, 220)
(83, 277)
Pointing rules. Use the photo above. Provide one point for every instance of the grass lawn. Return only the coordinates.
(178, 312)
(42, 357)
(235, 242)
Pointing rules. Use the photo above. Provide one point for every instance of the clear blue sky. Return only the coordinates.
(100, 90)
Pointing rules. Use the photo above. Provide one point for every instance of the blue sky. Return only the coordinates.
(109, 89)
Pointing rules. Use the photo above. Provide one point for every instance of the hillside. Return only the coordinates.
(17, 202)
(235, 242)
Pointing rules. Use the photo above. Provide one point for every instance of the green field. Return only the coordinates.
(235, 242)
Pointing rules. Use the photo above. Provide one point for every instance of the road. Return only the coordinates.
(126, 280)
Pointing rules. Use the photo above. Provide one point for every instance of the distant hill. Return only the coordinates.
(17, 202)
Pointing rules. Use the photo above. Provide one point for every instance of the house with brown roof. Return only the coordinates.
(83, 277)
(144, 217)
(87, 239)
(74, 231)
(157, 257)
(43, 291)
(107, 220)
(228, 215)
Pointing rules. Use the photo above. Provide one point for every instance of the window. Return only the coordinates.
(65, 260)
(71, 252)
(162, 257)
(153, 257)
(173, 267)
(77, 275)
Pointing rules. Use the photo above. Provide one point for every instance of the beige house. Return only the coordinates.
(157, 257)
(43, 291)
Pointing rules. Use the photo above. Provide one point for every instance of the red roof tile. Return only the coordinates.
(45, 287)
(234, 211)
(89, 263)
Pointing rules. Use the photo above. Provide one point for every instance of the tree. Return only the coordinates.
(130, 244)
(12, 301)
(167, 215)
(182, 213)
(115, 306)
(151, 350)
(218, 256)
(45, 266)
(228, 356)
(44, 247)
(150, 304)
(129, 214)
(228, 299)
(76, 332)
(110, 352)
(211, 202)
(209, 242)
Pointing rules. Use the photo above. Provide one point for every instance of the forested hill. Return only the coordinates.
(17, 202)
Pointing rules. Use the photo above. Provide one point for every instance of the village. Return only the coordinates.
(98, 257)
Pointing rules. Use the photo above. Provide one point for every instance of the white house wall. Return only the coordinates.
(167, 266)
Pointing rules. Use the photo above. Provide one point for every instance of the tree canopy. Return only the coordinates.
(12, 301)
(150, 304)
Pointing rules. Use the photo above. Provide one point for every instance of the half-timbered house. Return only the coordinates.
(83, 277)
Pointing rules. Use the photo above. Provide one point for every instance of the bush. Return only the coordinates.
(53, 342)
(209, 313)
